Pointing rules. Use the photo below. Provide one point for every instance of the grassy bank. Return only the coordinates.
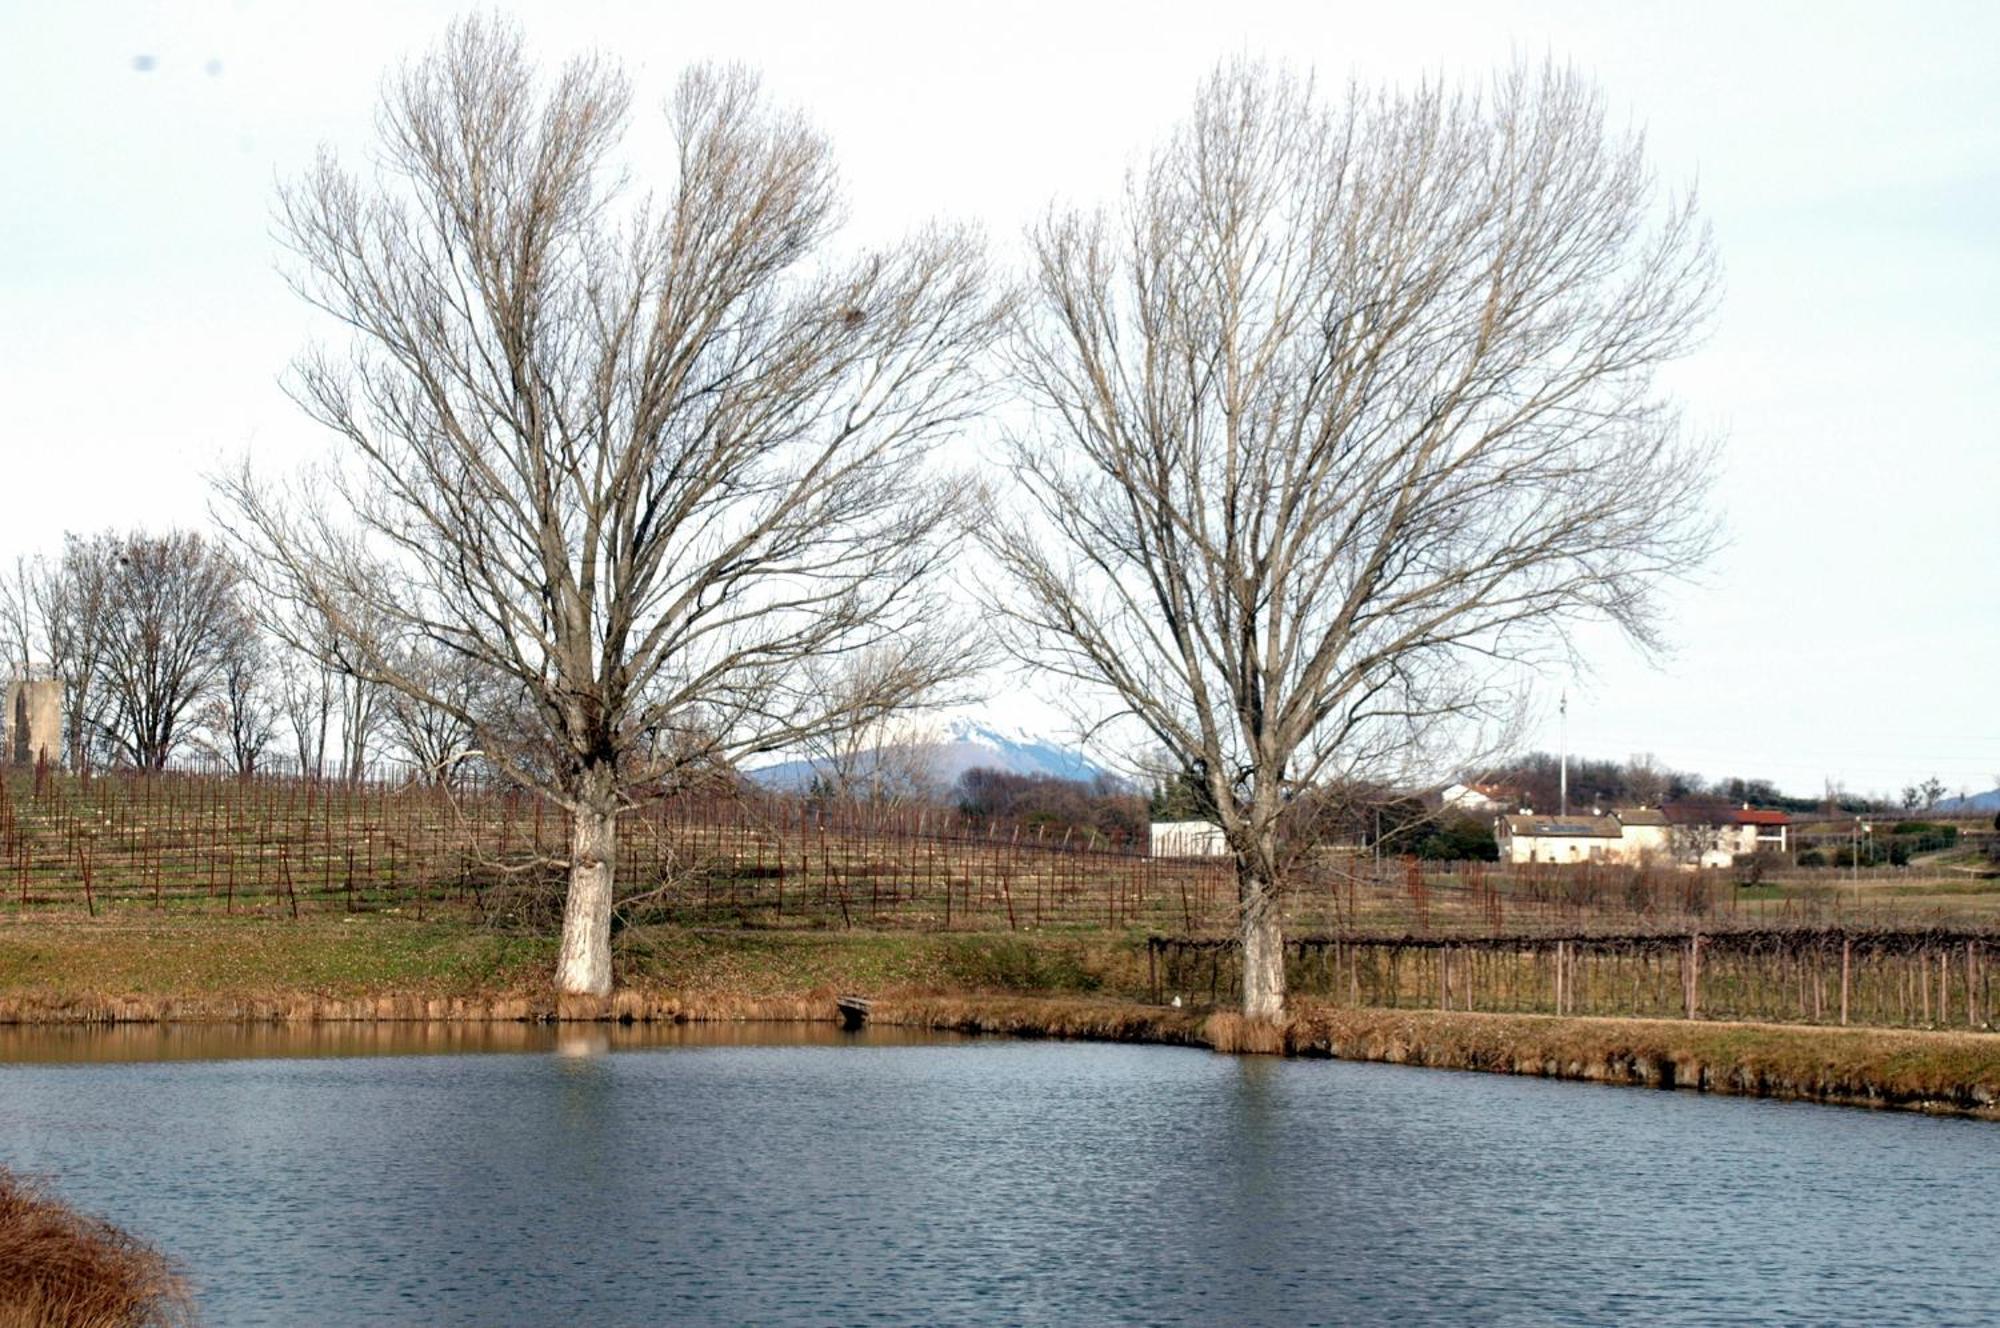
(61, 1269)
(1083, 984)
(180, 967)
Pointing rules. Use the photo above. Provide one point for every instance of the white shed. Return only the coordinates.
(1189, 839)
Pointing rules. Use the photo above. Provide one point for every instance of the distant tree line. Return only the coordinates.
(1098, 813)
(165, 652)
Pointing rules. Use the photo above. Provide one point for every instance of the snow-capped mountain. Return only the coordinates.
(947, 748)
(971, 742)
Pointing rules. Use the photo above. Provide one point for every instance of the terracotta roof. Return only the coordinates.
(1717, 812)
(1640, 816)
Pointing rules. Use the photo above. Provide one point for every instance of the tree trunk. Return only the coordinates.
(1263, 951)
(584, 966)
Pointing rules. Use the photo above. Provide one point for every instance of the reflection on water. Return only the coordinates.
(794, 1174)
(80, 1043)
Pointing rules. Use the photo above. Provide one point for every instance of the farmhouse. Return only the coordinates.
(1531, 838)
(1715, 833)
(1689, 834)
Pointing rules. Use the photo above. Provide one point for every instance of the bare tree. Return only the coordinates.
(436, 739)
(307, 687)
(17, 620)
(240, 721)
(1932, 790)
(73, 603)
(878, 756)
(1344, 412)
(1646, 783)
(174, 619)
(643, 460)
(359, 697)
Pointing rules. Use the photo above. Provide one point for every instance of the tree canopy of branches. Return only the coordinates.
(176, 621)
(639, 457)
(1345, 411)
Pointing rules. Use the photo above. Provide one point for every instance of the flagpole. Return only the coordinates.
(1564, 811)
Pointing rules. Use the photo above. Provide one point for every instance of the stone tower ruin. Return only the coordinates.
(33, 722)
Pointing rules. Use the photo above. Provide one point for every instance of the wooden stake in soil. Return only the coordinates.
(1846, 974)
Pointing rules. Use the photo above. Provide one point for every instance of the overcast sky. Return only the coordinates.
(1848, 157)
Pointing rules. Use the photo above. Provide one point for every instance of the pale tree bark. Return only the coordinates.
(1341, 419)
(639, 460)
(583, 964)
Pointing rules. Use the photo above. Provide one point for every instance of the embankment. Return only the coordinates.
(1077, 986)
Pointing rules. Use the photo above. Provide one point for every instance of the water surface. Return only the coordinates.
(792, 1174)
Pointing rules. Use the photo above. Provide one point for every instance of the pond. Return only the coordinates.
(795, 1174)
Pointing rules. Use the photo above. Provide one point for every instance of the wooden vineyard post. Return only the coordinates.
(1562, 956)
(1694, 975)
(1971, 985)
(1846, 974)
(1944, 987)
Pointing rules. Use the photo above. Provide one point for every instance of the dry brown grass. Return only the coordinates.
(1956, 1073)
(1043, 1017)
(61, 1269)
(1235, 1035)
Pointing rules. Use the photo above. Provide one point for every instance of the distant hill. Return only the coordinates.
(965, 743)
(1988, 801)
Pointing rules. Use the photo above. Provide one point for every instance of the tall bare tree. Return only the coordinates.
(1646, 782)
(642, 458)
(175, 619)
(73, 599)
(18, 636)
(306, 690)
(1344, 409)
(240, 719)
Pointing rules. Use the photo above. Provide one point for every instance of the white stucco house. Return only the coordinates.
(1189, 839)
(1577, 838)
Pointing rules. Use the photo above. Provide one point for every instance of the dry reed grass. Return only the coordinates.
(1955, 1073)
(61, 1269)
(1235, 1035)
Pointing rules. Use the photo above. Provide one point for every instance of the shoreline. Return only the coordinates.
(1933, 1072)
(1082, 985)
